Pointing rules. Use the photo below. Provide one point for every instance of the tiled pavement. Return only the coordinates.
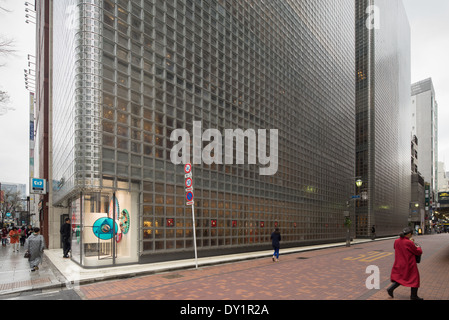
(329, 274)
(317, 273)
(16, 275)
(56, 272)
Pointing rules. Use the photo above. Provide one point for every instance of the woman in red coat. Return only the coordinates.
(405, 270)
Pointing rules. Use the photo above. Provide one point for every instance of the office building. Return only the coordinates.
(13, 204)
(425, 127)
(443, 177)
(46, 218)
(126, 74)
(382, 116)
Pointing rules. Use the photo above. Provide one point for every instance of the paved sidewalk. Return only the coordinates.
(433, 270)
(56, 272)
(334, 273)
(16, 275)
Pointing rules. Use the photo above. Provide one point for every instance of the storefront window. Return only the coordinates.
(106, 232)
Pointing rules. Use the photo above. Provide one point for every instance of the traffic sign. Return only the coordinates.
(189, 183)
(38, 186)
(190, 202)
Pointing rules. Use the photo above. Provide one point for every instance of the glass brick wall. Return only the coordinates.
(63, 96)
(383, 118)
(286, 65)
(77, 97)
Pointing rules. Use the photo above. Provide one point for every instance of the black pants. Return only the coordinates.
(413, 292)
(66, 246)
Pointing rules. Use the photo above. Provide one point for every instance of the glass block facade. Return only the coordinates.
(383, 117)
(139, 69)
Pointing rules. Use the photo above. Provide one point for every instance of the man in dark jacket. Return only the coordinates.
(275, 241)
(66, 232)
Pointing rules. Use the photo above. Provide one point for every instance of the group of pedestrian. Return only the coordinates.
(34, 242)
(405, 268)
(17, 236)
(27, 237)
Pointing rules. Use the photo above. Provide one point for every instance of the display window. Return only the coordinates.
(104, 229)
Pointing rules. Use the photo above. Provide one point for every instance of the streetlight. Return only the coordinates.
(348, 222)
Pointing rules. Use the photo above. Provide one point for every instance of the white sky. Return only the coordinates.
(429, 22)
(14, 126)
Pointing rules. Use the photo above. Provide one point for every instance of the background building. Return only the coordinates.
(14, 206)
(47, 216)
(417, 204)
(425, 127)
(383, 113)
(128, 73)
(443, 178)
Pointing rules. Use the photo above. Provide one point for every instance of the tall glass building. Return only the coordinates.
(126, 74)
(383, 121)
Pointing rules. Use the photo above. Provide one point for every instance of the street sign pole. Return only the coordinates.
(190, 201)
(194, 236)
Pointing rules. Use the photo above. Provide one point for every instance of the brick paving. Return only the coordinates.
(327, 274)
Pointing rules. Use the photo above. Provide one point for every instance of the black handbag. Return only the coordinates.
(418, 259)
(27, 255)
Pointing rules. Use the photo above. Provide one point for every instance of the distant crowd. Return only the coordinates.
(15, 235)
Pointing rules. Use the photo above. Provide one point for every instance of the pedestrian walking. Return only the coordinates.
(373, 232)
(66, 232)
(29, 231)
(35, 245)
(4, 236)
(275, 242)
(405, 269)
(14, 236)
(23, 236)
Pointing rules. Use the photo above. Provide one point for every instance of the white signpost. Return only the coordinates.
(191, 202)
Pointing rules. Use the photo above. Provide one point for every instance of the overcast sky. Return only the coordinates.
(429, 22)
(14, 126)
